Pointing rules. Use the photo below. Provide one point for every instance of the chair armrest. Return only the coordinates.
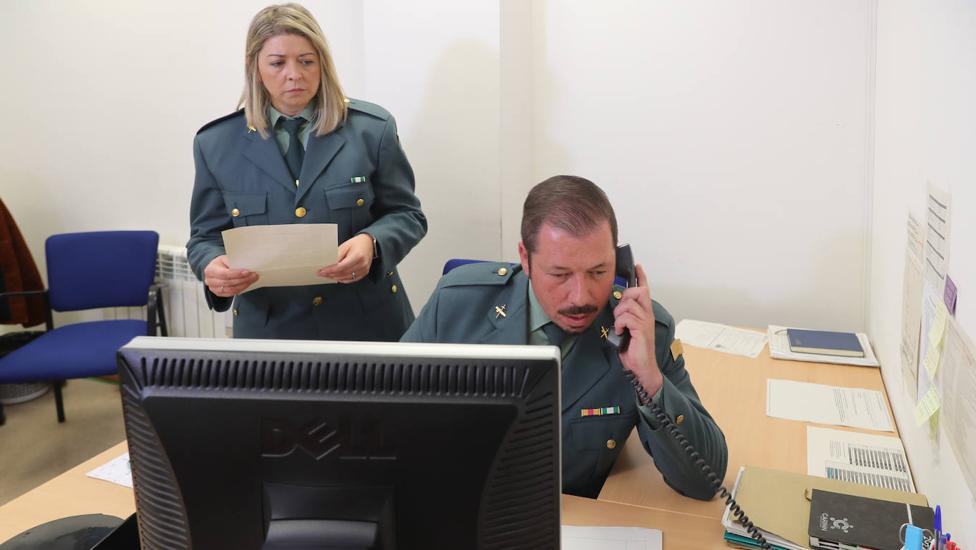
(155, 313)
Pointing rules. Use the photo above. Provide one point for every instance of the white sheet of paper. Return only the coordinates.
(854, 407)
(911, 313)
(876, 460)
(938, 227)
(958, 413)
(779, 348)
(720, 337)
(115, 471)
(283, 255)
(576, 537)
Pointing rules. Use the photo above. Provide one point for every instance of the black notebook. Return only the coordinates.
(861, 522)
(824, 342)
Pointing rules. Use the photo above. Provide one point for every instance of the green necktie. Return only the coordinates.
(295, 153)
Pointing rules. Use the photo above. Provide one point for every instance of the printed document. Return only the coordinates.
(116, 471)
(876, 460)
(937, 218)
(283, 255)
(610, 538)
(854, 407)
(720, 337)
(958, 416)
(911, 302)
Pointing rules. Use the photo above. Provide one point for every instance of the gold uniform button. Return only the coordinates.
(235, 212)
(317, 301)
(502, 271)
(393, 289)
(611, 444)
(236, 311)
(300, 212)
(680, 420)
(617, 294)
(360, 202)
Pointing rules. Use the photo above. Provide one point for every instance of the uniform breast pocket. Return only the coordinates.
(600, 438)
(247, 208)
(351, 205)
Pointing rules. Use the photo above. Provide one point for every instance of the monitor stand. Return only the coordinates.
(70, 533)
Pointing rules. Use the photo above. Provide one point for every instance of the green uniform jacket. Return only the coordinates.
(462, 309)
(356, 176)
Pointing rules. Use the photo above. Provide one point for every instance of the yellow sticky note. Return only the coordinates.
(937, 331)
(927, 406)
(932, 361)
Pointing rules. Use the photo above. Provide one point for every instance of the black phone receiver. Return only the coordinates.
(625, 270)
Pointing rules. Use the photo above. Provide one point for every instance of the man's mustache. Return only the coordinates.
(578, 310)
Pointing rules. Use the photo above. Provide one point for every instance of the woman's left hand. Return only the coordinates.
(355, 258)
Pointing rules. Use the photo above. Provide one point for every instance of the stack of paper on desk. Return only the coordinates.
(779, 348)
(779, 504)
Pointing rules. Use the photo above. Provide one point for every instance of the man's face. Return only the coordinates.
(572, 277)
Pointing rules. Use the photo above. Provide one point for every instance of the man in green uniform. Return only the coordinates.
(563, 294)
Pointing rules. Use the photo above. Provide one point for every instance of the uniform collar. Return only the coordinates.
(275, 114)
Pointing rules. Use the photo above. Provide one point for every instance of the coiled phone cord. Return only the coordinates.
(644, 399)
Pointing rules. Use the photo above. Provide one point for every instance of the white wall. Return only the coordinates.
(926, 131)
(102, 99)
(730, 137)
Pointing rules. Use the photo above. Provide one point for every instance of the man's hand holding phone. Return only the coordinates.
(636, 314)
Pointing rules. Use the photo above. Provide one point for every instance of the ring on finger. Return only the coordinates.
(221, 291)
(353, 274)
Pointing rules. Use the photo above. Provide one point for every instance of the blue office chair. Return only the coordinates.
(100, 269)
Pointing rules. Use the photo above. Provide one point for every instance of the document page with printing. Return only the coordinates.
(868, 459)
(854, 407)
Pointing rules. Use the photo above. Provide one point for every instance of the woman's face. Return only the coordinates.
(289, 69)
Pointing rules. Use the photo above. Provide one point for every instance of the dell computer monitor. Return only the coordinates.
(275, 444)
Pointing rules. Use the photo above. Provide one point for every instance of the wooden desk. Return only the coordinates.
(733, 389)
(74, 493)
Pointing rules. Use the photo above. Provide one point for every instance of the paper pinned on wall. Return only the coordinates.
(937, 331)
(958, 413)
(938, 221)
(927, 406)
(867, 459)
(911, 314)
(930, 301)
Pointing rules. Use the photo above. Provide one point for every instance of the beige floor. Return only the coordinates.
(34, 447)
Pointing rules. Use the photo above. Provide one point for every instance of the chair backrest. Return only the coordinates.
(100, 269)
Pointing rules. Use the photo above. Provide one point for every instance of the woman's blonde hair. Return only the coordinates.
(330, 102)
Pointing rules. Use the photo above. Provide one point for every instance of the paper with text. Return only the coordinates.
(116, 471)
(867, 459)
(929, 357)
(911, 314)
(958, 413)
(938, 227)
(854, 407)
(283, 255)
(720, 337)
(576, 537)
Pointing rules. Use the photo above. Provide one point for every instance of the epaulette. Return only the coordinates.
(371, 109)
(239, 112)
(480, 273)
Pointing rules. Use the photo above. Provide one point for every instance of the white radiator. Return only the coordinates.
(184, 303)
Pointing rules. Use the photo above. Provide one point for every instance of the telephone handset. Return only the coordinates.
(626, 270)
